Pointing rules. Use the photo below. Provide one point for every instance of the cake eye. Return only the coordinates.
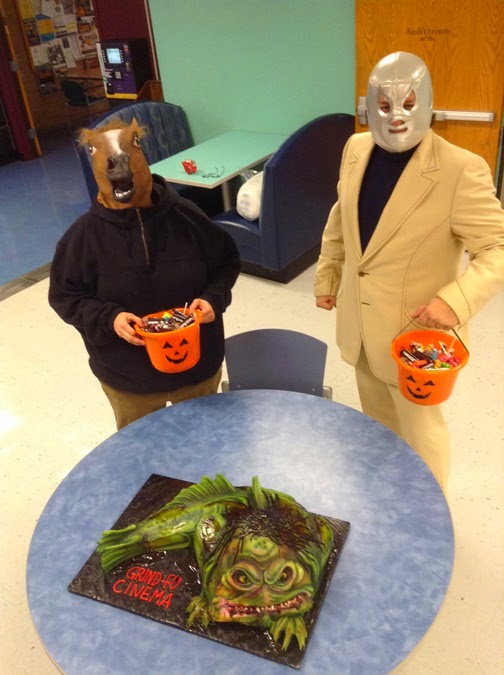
(286, 575)
(240, 578)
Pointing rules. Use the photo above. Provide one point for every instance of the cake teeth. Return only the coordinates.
(240, 610)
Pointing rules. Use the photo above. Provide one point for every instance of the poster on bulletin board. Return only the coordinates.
(58, 33)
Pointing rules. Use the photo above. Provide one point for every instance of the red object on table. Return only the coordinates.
(189, 166)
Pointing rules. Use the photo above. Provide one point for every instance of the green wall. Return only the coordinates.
(265, 65)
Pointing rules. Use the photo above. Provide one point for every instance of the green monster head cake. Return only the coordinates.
(260, 554)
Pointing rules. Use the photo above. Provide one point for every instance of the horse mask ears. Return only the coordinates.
(119, 165)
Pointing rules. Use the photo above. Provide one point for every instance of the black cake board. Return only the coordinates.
(175, 579)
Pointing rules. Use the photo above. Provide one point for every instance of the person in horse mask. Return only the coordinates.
(141, 249)
(392, 256)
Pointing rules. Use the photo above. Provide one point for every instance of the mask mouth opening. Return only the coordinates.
(123, 191)
(402, 128)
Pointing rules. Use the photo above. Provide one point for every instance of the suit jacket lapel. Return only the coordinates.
(417, 180)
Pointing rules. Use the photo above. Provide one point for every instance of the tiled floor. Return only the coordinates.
(39, 199)
(52, 413)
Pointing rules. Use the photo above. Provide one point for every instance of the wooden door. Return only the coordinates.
(462, 44)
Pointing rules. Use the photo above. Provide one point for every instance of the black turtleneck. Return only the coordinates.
(382, 173)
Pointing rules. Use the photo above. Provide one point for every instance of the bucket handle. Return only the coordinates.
(452, 329)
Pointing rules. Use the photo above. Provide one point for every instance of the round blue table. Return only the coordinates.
(387, 587)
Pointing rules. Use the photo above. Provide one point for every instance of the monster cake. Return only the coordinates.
(260, 561)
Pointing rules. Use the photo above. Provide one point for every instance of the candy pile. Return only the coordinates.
(171, 320)
(429, 357)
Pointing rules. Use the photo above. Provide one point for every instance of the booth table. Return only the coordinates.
(220, 159)
(388, 584)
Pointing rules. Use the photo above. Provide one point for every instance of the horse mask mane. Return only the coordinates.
(119, 165)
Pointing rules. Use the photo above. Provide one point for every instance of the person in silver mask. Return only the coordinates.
(392, 259)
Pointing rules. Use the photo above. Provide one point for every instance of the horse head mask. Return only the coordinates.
(119, 165)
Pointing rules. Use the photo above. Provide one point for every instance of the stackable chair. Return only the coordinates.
(77, 97)
(275, 358)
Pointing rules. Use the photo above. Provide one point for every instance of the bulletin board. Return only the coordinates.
(59, 33)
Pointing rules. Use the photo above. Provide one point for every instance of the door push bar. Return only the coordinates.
(463, 116)
(439, 115)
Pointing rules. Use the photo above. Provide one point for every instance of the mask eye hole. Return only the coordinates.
(410, 101)
(384, 105)
(136, 141)
(91, 149)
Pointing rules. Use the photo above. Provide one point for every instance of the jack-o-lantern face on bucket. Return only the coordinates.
(419, 391)
(173, 351)
(176, 350)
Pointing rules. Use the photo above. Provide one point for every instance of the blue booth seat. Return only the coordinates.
(168, 132)
(299, 189)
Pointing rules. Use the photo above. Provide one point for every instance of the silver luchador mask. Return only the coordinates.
(396, 77)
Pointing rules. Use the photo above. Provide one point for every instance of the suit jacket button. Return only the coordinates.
(362, 274)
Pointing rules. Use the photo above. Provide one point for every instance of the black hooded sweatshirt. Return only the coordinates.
(143, 261)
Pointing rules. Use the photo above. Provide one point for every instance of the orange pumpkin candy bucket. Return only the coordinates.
(173, 351)
(433, 385)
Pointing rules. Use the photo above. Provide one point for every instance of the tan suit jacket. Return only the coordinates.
(443, 204)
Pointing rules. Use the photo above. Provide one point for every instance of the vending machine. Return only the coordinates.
(125, 66)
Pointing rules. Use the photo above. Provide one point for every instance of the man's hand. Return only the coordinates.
(325, 301)
(436, 314)
(206, 309)
(123, 328)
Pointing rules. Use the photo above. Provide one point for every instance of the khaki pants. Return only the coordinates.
(422, 427)
(130, 407)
